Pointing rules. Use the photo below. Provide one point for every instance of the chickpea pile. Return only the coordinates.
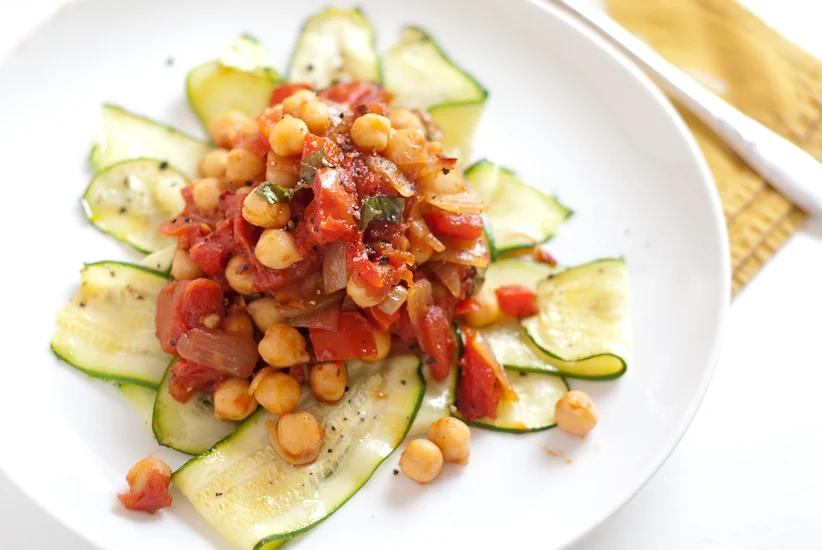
(448, 441)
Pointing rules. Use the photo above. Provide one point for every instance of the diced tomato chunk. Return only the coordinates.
(353, 339)
(152, 496)
(459, 226)
(517, 301)
(438, 341)
(257, 144)
(358, 91)
(212, 251)
(287, 90)
(477, 393)
(299, 373)
(188, 377)
(183, 305)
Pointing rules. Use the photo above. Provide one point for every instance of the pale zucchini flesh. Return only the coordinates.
(583, 319)
(511, 271)
(107, 329)
(140, 399)
(520, 215)
(420, 75)
(160, 260)
(190, 427)
(251, 496)
(437, 402)
(129, 200)
(336, 45)
(126, 136)
(538, 394)
(458, 122)
(240, 80)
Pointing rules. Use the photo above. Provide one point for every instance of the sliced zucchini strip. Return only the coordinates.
(107, 329)
(538, 394)
(437, 402)
(125, 136)
(420, 75)
(187, 427)
(583, 319)
(160, 260)
(520, 215)
(510, 271)
(251, 496)
(130, 199)
(240, 80)
(458, 122)
(140, 399)
(335, 45)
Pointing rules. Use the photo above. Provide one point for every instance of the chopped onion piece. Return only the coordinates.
(231, 353)
(457, 251)
(394, 301)
(420, 230)
(466, 201)
(420, 297)
(335, 268)
(449, 275)
(392, 174)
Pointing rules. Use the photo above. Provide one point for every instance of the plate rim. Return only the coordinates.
(616, 56)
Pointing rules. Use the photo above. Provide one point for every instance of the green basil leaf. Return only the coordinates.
(273, 193)
(383, 208)
(310, 164)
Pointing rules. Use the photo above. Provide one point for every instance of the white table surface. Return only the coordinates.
(748, 473)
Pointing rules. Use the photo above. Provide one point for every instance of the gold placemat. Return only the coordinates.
(734, 54)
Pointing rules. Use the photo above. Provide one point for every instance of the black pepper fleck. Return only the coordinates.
(396, 472)
(218, 494)
(402, 382)
(329, 451)
(82, 304)
(163, 165)
(169, 61)
(248, 184)
(309, 67)
(384, 260)
(122, 210)
(523, 373)
(333, 429)
(445, 171)
(430, 360)
(172, 342)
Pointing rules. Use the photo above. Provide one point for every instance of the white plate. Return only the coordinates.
(566, 112)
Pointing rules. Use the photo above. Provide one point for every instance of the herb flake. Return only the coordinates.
(388, 209)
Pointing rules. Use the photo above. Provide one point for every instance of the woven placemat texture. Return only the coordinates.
(734, 54)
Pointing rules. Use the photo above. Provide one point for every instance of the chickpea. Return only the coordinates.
(327, 381)
(402, 119)
(421, 461)
(371, 132)
(276, 249)
(258, 211)
(297, 437)
(238, 275)
(277, 392)
(439, 182)
(359, 294)
(206, 193)
(293, 104)
(141, 472)
(265, 313)
(406, 147)
(238, 322)
(287, 136)
(383, 340)
(283, 346)
(243, 191)
(283, 171)
(315, 115)
(231, 399)
(183, 267)
(489, 310)
(229, 127)
(575, 413)
(213, 163)
(242, 165)
(452, 436)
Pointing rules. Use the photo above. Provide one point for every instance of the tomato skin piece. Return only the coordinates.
(188, 377)
(459, 226)
(542, 255)
(152, 497)
(469, 305)
(257, 144)
(380, 319)
(353, 339)
(517, 301)
(477, 393)
(358, 91)
(438, 341)
(212, 251)
(287, 90)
